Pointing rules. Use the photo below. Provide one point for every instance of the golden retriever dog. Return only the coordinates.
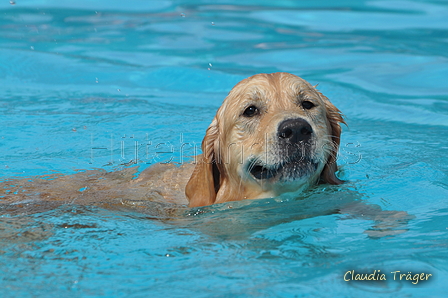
(274, 135)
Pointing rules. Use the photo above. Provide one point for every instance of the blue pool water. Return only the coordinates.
(108, 84)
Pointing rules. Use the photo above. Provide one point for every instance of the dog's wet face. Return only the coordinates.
(279, 138)
(274, 134)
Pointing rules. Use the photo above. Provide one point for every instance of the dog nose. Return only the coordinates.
(294, 131)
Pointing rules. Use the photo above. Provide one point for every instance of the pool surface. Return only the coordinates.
(111, 85)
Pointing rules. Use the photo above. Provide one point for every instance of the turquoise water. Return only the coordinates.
(104, 84)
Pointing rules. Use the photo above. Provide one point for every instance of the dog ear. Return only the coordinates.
(334, 118)
(203, 185)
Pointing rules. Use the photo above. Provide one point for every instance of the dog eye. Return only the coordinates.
(307, 105)
(251, 111)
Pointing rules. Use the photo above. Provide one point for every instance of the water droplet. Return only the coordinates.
(182, 15)
(32, 48)
(12, 2)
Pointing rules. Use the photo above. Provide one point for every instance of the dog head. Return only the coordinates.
(274, 134)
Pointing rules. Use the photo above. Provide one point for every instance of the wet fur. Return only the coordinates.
(218, 175)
